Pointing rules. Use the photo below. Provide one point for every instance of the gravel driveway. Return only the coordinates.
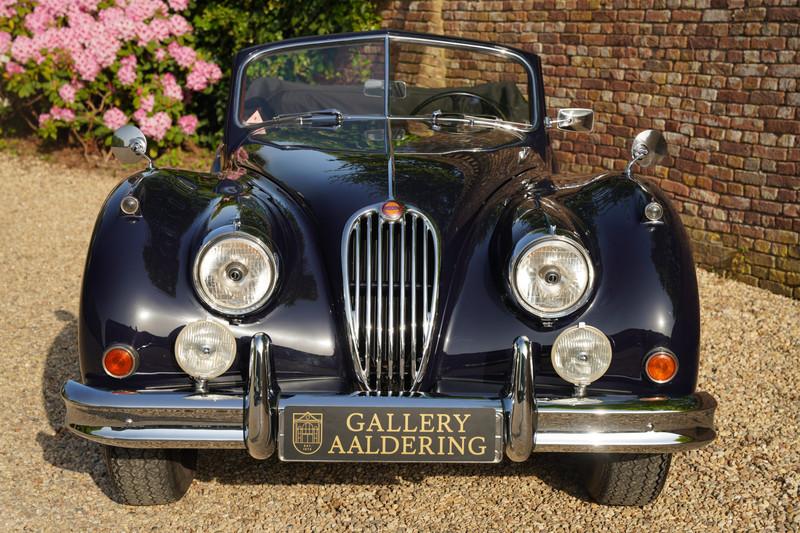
(748, 479)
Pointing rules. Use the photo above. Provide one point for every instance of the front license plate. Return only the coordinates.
(390, 434)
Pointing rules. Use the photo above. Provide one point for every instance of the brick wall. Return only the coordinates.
(719, 77)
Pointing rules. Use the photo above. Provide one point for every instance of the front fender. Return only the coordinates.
(644, 296)
(137, 286)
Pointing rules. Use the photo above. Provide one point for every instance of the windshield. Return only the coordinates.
(425, 78)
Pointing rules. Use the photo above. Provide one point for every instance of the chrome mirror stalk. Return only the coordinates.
(649, 148)
(129, 145)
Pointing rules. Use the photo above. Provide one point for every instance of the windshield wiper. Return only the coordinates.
(438, 119)
(321, 118)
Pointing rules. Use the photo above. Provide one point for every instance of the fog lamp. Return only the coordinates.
(581, 354)
(205, 349)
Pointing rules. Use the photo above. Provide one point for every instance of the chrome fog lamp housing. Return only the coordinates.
(551, 276)
(581, 355)
(235, 273)
(205, 349)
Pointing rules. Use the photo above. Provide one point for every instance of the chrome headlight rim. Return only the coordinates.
(208, 300)
(526, 244)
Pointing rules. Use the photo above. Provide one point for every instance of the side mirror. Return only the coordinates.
(129, 145)
(649, 148)
(573, 119)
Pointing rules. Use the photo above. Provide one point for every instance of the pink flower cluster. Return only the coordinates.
(183, 55)
(156, 126)
(127, 70)
(69, 91)
(141, 10)
(57, 113)
(5, 41)
(7, 8)
(202, 75)
(90, 44)
(170, 87)
(179, 25)
(114, 118)
(90, 37)
(147, 103)
(14, 68)
(75, 41)
(188, 124)
(61, 113)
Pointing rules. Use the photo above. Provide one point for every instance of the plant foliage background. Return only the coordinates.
(75, 70)
(225, 27)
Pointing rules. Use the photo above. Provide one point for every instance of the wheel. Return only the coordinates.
(150, 476)
(627, 479)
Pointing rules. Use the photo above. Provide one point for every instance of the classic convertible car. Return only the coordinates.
(383, 265)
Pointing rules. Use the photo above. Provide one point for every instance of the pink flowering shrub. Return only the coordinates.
(88, 67)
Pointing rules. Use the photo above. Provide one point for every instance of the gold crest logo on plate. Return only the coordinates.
(307, 432)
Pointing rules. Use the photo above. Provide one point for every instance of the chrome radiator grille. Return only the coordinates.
(391, 286)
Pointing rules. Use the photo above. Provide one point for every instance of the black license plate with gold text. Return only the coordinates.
(390, 434)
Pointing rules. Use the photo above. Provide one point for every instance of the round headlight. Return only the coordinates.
(235, 273)
(551, 276)
(581, 354)
(205, 349)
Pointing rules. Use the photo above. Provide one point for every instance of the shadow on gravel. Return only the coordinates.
(64, 450)
(235, 467)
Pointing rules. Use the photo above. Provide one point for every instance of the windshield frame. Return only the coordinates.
(247, 56)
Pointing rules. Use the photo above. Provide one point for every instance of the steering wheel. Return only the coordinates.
(495, 110)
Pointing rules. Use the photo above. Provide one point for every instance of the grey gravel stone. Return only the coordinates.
(747, 480)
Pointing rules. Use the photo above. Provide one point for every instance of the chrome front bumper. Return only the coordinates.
(607, 424)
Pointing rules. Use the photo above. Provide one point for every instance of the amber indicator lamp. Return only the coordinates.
(661, 367)
(119, 362)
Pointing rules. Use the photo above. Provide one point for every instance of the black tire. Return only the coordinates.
(627, 479)
(150, 476)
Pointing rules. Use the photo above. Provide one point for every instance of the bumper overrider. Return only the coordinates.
(371, 427)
